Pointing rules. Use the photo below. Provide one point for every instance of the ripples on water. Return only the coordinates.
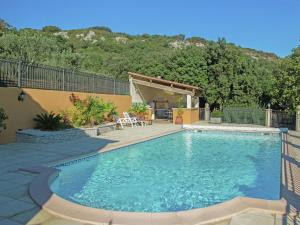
(177, 172)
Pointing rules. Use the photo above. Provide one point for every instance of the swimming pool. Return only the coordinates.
(177, 172)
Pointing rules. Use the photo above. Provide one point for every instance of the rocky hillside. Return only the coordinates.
(102, 34)
(229, 74)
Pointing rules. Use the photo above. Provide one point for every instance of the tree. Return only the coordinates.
(188, 66)
(234, 78)
(31, 46)
(4, 27)
(104, 28)
(221, 61)
(287, 91)
(51, 29)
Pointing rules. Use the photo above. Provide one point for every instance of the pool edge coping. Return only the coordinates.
(235, 128)
(42, 194)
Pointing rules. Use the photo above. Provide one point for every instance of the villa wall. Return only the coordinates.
(36, 101)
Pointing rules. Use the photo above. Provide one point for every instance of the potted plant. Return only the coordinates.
(216, 116)
(179, 119)
(3, 117)
(139, 110)
(180, 111)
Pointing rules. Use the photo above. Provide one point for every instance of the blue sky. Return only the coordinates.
(269, 25)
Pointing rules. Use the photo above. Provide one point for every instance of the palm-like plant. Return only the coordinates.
(111, 111)
(45, 121)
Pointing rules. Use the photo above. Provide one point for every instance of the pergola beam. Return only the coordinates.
(163, 87)
(162, 81)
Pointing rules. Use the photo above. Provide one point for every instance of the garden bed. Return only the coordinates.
(39, 136)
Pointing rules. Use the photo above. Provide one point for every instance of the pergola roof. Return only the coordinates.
(163, 84)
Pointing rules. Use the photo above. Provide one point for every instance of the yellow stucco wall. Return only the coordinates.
(36, 101)
(189, 115)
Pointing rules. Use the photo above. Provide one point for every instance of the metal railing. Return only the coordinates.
(201, 113)
(22, 74)
(244, 115)
(283, 119)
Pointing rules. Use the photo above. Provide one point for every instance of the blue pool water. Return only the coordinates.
(176, 172)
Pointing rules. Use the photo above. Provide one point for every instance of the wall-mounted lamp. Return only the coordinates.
(21, 96)
(269, 105)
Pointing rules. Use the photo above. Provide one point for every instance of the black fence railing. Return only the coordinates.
(22, 74)
(201, 113)
(258, 116)
(242, 115)
(283, 119)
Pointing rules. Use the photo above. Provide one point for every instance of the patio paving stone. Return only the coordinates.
(5, 185)
(4, 199)
(29, 216)
(26, 198)
(14, 207)
(17, 178)
(9, 222)
(16, 192)
(62, 222)
(256, 218)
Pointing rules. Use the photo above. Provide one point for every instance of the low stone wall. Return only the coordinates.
(38, 136)
(106, 128)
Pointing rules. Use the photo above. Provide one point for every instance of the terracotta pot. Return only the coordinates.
(141, 117)
(179, 120)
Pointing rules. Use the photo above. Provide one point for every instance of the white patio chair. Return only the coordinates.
(122, 121)
(134, 120)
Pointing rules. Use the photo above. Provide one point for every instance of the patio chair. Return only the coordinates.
(134, 120)
(122, 121)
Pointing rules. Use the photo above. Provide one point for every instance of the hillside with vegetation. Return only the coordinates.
(229, 74)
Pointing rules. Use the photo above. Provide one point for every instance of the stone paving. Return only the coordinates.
(290, 188)
(17, 208)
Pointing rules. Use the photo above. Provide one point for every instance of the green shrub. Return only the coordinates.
(217, 113)
(138, 109)
(111, 111)
(90, 112)
(51, 29)
(45, 121)
(104, 28)
(3, 117)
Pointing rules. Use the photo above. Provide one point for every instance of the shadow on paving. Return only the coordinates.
(19, 208)
(290, 185)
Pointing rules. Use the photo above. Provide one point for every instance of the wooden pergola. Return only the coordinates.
(166, 85)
